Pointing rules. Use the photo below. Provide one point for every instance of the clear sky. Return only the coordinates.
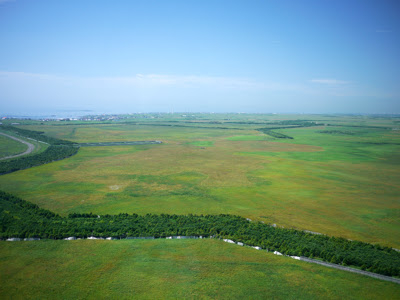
(314, 56)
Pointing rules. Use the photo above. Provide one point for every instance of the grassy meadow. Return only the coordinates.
(340, 180)
(159, 269)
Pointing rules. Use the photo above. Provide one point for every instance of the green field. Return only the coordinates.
(338, 184)
(340, 177)
(177, 269)
(10, 147)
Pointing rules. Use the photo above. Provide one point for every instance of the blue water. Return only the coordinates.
(61, 114)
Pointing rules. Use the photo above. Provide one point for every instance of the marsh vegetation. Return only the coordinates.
(337, 175)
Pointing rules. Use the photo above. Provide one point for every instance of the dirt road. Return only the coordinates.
(31, 147)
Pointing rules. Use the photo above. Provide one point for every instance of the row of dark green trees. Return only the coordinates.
(57, 150)
(19, 218)
(275, 134)
(287, 124)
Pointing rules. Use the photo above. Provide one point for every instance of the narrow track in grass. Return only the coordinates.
(30, 149)
(349, 269)
(127, 143)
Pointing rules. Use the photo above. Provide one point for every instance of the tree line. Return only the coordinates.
(275, 134)
(36, 135)
(20, 218)
(57, 150)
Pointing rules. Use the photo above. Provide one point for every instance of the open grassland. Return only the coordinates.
(338, 180)
(159, 269)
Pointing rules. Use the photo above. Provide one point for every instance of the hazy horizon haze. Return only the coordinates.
(226, 56)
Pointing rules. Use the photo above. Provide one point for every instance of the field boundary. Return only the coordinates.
(348, 269)
(30, 149)
(127, 143)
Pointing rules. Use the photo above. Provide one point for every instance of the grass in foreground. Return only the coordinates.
(159, 269)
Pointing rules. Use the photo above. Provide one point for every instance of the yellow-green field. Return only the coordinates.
(173, 269)
(337, 184)
(341, 180)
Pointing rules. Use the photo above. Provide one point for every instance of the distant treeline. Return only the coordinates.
(341, 132)
(274, 134)
(36, 135)
(57, 150)
(361, 126)
(19, 218)
(299, 123)
(176, 125)
(287, 124)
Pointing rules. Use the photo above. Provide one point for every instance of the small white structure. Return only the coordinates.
(13, 240)
(257, 248)
(229, 241)
(296, 257)
(240, 243)
(169, 237)
(248, 219)
(277, 253)
(71, 238)
(111, 238)
(92, 238)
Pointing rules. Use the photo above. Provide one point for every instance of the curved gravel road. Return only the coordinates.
(31, 147)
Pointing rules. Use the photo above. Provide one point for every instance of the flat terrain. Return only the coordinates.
(340, 180)
(159, 269)
(9, 147)
(14, 149)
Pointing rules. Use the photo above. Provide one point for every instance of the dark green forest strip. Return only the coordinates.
(341, 132)
(361, 126)
(186, 126)
(118, 143)
(22, 219)
(274, 134)
(58, 149)
(36, 135)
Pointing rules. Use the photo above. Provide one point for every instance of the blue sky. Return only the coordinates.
(317, 56)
